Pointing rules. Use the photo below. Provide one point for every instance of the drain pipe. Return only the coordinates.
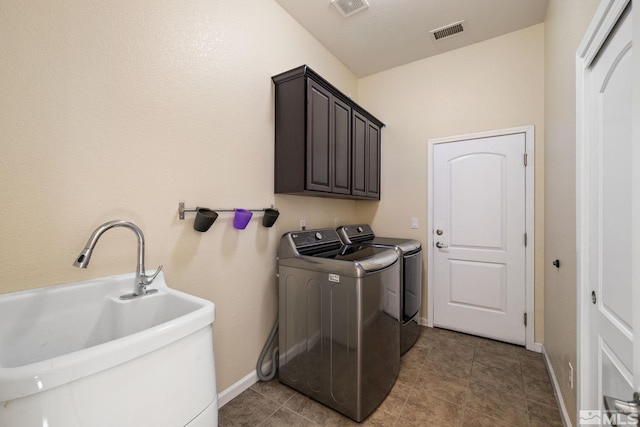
(274, 356)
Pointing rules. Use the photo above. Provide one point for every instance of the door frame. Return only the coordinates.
(528, 132)
(604, 21)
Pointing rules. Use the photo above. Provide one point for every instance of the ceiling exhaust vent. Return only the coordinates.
(349, 7)
(447, 30)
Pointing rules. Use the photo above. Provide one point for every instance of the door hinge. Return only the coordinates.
(525, 159)
(525, 240)
(525, 319)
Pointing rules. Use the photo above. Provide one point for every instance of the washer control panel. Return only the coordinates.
(310, 238)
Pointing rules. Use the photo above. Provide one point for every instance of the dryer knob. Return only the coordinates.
(318, 236)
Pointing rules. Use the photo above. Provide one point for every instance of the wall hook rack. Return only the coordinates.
(205, 216)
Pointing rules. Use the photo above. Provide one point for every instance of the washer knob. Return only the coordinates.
(318, 235)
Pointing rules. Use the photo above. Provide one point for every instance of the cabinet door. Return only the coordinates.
(319, 151)
(373, 161)
(341, 116)
(366, 157)
(359, 153)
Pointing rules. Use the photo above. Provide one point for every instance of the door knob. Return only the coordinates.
(440, 245)
(439, 232)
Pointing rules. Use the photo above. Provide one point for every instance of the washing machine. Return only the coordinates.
(410, 255)
(339, 330)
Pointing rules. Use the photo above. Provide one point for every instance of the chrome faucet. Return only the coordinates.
(141, 280)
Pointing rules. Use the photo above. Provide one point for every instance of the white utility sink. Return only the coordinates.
(78, 355)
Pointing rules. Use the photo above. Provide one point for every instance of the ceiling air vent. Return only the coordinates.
(447, 30)
(349, 7)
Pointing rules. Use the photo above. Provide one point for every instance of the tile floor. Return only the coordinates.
(447, 378)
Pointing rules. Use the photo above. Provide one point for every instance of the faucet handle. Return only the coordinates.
(149, 279)
(140, 288)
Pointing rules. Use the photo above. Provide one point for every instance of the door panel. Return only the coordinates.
(342, 147)
(373, 163)
(610, 261)
(477, 185)
(479, 259)
(618, 380)
(359, 154)
(366, 157)
(319, 138)
(478, 285)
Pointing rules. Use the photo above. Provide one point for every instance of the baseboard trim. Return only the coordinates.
(234, 390)
(423, 321)
(556, 389)
(537, 347)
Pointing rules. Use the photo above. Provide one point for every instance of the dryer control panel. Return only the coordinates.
(356, 233)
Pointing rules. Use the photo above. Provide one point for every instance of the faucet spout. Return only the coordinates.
(141, 280)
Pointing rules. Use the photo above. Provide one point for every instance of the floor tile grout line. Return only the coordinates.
(280, 405)
(271, 414)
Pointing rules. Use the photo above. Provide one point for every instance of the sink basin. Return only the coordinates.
(78, 355)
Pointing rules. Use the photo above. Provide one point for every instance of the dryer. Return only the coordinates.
(339, 330)
(410, 255)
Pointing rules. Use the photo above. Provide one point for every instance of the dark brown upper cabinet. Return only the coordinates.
(325, 144)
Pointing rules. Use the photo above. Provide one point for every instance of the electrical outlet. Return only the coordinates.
(303, 224)
(570, 375)
(336, 222)
(414, 222)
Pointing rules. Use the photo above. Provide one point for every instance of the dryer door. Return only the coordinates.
(412, 278)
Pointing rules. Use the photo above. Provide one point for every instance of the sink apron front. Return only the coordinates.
(163, 375)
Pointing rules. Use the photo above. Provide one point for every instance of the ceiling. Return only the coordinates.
(390, 33)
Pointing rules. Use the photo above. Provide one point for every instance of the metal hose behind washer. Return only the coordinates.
(274, 356)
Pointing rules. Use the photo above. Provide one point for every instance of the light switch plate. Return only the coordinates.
(414, 222)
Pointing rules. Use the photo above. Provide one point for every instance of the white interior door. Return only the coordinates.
(607, 263)
(479, 237)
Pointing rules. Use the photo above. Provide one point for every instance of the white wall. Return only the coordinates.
(121, 109)
(495, 84)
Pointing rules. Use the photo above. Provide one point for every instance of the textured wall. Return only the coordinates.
(495, 84)
(565, 25)
(121, 109)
